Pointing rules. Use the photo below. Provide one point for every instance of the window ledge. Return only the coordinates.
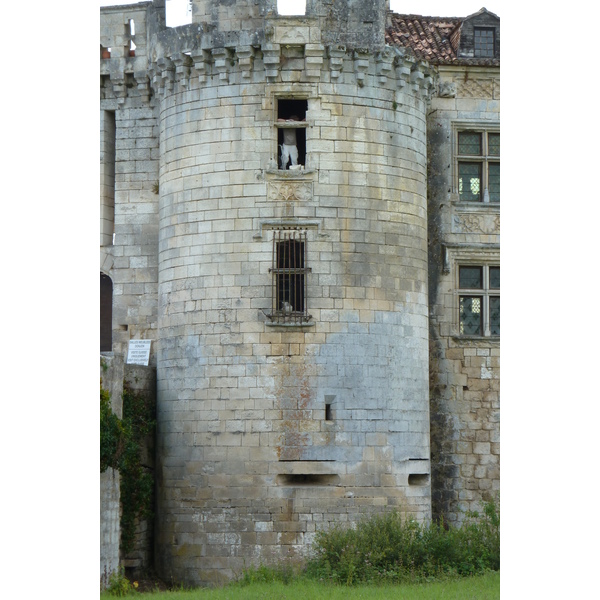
(290, 174)
(475, 206)
(287, 325)
(476, 338)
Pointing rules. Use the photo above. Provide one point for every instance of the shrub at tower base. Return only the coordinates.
(384, 548)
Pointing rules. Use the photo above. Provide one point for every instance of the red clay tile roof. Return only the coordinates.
(434, 39)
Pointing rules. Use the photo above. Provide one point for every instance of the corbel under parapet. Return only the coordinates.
(361, 65)
(183, 66)
(272, 59)
(384, 61)
(313, 61)
(201, 59)
(223, 58)
(336, 60)
(245, 60)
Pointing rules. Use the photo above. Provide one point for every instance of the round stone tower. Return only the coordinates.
(292, 351)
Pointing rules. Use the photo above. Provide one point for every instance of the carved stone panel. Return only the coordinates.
(290, 190)
(486, 223)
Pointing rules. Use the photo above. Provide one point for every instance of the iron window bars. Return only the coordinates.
(289, 271)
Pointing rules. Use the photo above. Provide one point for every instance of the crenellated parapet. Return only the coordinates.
(282, 50)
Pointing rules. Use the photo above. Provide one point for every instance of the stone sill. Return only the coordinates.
(493, 339)
(476, 206)
(287, 325)
(287, 174)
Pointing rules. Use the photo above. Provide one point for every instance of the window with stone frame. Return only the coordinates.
(479, 300)
(291, 133)
(478, 165)
(290, 277)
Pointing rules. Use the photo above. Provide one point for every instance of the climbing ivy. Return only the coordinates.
(137, 481)
(111, 434)
(122, 443)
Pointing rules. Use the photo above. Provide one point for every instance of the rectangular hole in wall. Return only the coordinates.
(418, 479)
(329, 399)
(307, 479)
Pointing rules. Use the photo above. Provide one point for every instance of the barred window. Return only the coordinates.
(479, 300)
(289, 272)
(478, 160)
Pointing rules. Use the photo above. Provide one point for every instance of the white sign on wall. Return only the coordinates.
(139, 352)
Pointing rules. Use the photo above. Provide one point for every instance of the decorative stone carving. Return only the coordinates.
(290, 190)
(447, 89)
(478, 88)
(476, 223)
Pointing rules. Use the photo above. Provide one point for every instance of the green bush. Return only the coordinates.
(384, 548)
(119, 585)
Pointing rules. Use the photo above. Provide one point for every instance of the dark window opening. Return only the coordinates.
(291, 138)
(106, 293)
(484, 38)
(286, 109)
(328, 415)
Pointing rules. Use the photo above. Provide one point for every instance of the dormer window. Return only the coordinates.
(484, 41)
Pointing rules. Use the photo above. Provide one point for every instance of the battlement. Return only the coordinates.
(321, 46)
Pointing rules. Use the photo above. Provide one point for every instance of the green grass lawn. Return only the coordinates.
(483, 587)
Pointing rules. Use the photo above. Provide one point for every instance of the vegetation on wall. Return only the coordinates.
(122, 444)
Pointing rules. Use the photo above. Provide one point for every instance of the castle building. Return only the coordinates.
(302, 215)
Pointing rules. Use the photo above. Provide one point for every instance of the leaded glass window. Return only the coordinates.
(478, 166)
(484, 42)
(469, 181)
(469, 143)
(495, 315)
(470, 315)
(479, 308)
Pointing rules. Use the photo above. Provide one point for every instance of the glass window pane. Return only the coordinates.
(469, 143)
(495, 278)
(470, 278)
(494, 182)
(484, 42)
(494, 144)
(470, 315)
(469, 181)
(495, 315)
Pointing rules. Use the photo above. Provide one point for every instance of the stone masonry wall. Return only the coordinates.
(464, 372)
(249, 465)
(269, 432)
